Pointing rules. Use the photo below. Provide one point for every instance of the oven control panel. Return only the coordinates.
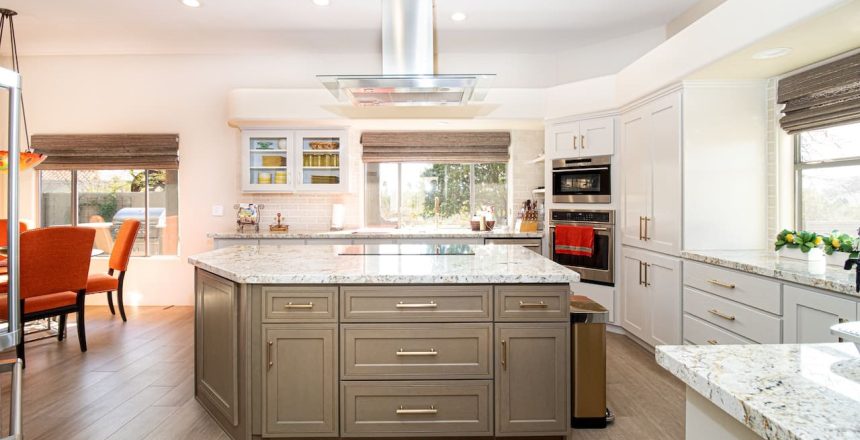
(572, 216)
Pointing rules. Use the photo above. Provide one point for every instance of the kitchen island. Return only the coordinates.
(382, 341)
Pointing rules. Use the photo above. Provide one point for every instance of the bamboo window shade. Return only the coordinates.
(436, 146)
(107, 151)
(821, 97)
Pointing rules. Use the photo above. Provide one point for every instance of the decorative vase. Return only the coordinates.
(814, 254)
(837, 259)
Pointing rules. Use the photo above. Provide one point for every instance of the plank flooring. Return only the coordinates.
(136, 383)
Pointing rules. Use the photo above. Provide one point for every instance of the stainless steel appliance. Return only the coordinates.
(588, 364)
(599, 267)
(582, 180)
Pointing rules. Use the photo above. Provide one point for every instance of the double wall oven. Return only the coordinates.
(582, 180)
(599, 267)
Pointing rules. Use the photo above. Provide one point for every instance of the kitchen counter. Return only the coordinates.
(308, 264)
(769, 264)
(780, 392)
(378, 233)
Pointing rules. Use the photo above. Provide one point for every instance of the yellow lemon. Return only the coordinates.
(835, 243)
(818, 241)
(789, 238)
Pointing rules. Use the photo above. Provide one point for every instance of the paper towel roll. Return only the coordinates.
(337, 214)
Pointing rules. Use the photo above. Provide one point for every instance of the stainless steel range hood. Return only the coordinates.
(408, 65)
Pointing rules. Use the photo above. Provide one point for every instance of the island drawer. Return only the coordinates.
(700, 332)
(416, 303)
(744, 288)
(416, 351)
(416, 408)
(299, 304)
(532, 303)
(737, 318)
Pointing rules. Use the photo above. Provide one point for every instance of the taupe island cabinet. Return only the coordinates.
(383, 341)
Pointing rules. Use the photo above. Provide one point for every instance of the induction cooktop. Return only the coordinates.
(406, 249)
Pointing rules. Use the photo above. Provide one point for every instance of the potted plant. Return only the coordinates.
(800, 245)
(839, 247)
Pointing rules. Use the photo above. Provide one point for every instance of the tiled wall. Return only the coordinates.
(772, 160)
(525, 146)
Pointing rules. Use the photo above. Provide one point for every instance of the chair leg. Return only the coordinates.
(61, 331)
(119, 302)
(82, 334)
(110, 302)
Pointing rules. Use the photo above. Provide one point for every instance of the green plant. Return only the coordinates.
(837, 242)
(803, 240)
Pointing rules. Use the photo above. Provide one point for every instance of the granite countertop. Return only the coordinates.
(780, 392)
(308, 264)
(770, 264)
(381, 233)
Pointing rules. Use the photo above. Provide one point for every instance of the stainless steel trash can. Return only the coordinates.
(588, 363)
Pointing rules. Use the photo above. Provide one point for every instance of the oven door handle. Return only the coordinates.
(564, 170)
(596, 229)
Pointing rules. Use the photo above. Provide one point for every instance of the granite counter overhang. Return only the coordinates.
(371, 234)
(321, 264)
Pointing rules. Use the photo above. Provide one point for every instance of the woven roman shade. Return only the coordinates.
(821, 97)
(107, 151)
(436, 146)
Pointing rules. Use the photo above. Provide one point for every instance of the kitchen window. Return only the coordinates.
(404, 195)
(827, 172)
(102, 199)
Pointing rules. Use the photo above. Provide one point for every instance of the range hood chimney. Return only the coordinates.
(408, 65)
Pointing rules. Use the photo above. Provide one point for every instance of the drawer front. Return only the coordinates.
(416, 409)
(299, 304)
(737, 318)
(532, 303)
(746, 289)
(699, 332)
(416, 303)
(416, 351)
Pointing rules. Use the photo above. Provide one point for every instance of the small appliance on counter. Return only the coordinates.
(248, 215)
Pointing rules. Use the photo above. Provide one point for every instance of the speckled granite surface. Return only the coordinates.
(307, 264)
(769, 264)
(380, 234)
(781, 392)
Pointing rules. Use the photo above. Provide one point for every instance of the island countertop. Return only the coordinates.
(310, 264)
(378, 233)
(780, 392)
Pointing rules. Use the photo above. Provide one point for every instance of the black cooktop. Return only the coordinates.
(406, 249)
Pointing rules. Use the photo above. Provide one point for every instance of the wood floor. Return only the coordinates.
(136, 382)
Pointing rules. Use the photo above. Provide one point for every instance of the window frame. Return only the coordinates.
(74, 206)
(800, 166)
(472, 199)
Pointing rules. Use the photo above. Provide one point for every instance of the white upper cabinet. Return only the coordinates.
(290, 160)
(588, 137)
(651, 175)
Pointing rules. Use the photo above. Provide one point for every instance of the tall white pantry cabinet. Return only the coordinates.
(693, 176)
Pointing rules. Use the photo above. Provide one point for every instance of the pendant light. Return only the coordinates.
(29, 158)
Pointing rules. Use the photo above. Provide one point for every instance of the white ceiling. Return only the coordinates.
(167, 26)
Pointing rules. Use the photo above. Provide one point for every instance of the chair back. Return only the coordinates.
(4, 241)
(55, 259)
(124, 243)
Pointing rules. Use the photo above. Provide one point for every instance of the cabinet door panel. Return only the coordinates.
(532, 379)
(564, 139)
(664, 142)
(597, 137)
(810, 314)
(635, 177)
(299, 380)
(635, 314)
(663, 276)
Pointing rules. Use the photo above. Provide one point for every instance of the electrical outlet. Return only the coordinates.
(217, 210)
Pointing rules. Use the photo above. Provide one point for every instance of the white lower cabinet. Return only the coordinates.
(809, 315)
(651, 296)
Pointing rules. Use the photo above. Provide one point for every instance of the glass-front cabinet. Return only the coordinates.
(292, 160)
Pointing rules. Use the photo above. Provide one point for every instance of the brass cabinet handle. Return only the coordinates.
(722, 284)
(404, 410)
(290, 305)
(574, 142)
(582, 141)
(721, 314)
(403, 352)
(641, 219)
(640, 273)
(646, 274)
(430, 305)
(504, 355)
(269, 354)
(713, 342)
(645, 235)
(537, 305)
(840, 339)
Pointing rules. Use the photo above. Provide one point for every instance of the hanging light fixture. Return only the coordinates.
(28, 158)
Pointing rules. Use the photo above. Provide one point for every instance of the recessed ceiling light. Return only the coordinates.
(458, 16)
(322, 2)
(191, 3)
(776, 52)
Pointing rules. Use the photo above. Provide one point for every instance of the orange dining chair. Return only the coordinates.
(119, 256)
(53, 273)
(3, 222)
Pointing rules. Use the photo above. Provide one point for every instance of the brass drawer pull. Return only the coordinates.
(645, 236)
(713, 342)
(404, 410)
(721, 314)
(641, 219)
(504, 359)
(269, 354)
(722, 284)
(537, 305)
(290, 305)
(403, 352)
(430, 305)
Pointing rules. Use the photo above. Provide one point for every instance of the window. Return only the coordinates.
(102, 199)
(827, 167)
(405, 195)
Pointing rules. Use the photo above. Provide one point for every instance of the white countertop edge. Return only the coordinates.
(371, 235)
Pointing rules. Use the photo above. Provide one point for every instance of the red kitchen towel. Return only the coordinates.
(574, 240)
